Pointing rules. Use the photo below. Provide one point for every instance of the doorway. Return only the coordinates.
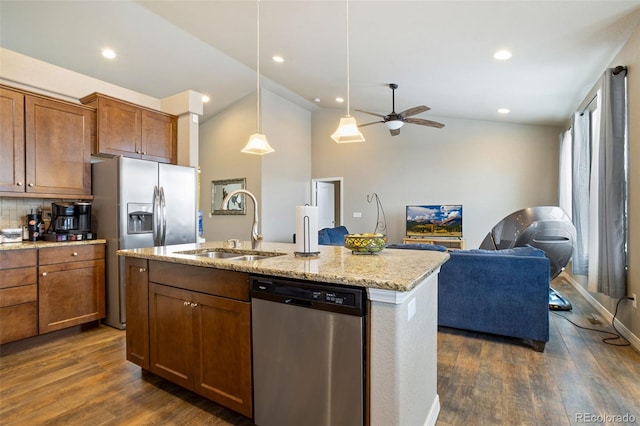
(326, 194)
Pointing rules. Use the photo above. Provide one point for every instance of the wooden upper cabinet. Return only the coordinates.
(133, 131)
(11, 141)
(58, 147)
(45, 145)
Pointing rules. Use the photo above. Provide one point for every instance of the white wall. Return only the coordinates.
(280, 180)
(491, 168)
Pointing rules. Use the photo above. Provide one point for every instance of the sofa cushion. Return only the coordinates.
(332, 236)
(515, 251)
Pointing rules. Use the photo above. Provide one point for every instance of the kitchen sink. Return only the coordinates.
(251, 257)
(218, 254)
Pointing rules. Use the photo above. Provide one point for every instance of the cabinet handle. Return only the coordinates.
(193, 305)
(185, 303)
(44, 274)
(143, 270)
(19, 183)
(74, 253)
(31, 184)
(144, 153)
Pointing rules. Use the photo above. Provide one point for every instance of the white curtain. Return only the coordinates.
(594, 196)
(564, 180)
(581, 159)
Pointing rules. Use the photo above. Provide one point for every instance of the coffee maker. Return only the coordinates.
(70, 222)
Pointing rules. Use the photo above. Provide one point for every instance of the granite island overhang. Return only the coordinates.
(402, 292)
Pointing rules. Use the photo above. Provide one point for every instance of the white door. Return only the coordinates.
(325, 200)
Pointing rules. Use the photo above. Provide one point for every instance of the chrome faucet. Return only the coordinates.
(255, 237)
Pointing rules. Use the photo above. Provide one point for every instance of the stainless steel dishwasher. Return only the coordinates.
(308, 353)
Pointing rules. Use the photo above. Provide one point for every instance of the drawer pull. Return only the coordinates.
(44, 274)
(143, 270)
(31, 184)
(74, 253)
(19, 183)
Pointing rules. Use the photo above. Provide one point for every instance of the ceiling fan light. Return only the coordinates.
(258, 145)
(394, 124)
(347, 131)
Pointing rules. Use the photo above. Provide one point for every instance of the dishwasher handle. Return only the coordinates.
(298, 302)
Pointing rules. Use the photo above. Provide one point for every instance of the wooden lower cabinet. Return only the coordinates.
(137, 309)
(70, 291)
(192, 328)
(18, 295)
(202, 343)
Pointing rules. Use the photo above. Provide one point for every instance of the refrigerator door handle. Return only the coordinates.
(156, 216)
(163, 208)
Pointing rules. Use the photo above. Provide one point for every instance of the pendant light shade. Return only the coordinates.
(258, 143)
(347, 130)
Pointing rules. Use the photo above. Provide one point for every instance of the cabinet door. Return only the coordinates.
(137, 308)
(159, 137)
(222, 345)
(11, 141)
(70, 294)
(119, 128)
(171, 334)
(58, 147)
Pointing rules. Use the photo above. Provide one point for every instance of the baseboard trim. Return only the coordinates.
(434, 412)
(624, 331)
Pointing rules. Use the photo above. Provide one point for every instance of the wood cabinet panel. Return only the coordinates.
(222, 350)
(217, 282)
(18, 258)
(17, 295)
(159, 137)
(171, 334)
(70, 294)
(58, 147)
(18, 277)
(53, 255)
(137, 308)
(11, 141)
(18, 322)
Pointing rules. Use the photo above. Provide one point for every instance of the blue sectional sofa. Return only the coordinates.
(503, 292)
(332, 236)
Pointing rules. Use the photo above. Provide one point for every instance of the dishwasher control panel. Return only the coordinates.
(313, 295)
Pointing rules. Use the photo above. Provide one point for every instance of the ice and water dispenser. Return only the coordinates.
(140, 218)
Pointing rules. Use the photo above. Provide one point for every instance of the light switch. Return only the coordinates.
(357, 214)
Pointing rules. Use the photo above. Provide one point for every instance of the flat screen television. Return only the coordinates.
(435, 220)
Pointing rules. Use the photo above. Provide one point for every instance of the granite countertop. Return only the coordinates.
(390, 269)
(46, 244)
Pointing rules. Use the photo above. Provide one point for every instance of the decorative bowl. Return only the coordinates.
(365, 243)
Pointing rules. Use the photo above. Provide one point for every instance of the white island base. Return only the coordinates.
(403, 355)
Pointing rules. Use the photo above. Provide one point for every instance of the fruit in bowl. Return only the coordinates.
(366, 243)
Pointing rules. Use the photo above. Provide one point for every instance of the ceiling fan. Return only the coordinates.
(396, 120)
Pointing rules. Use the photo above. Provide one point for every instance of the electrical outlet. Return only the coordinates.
(635, 301)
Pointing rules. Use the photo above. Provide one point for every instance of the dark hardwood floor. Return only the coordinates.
(82, 378)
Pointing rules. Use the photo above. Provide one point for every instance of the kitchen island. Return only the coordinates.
(401, 287)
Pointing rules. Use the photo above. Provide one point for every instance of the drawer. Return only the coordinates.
(53, 255)
(17, 277)
(18, 322)
(17, 295)
(18, 258)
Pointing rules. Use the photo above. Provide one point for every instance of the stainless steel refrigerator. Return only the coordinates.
(137, 204)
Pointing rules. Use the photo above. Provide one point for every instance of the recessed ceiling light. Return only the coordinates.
(108, 53)
(340, 100)
(205, 98)
(277, 58)
(502, 55)
(316, 100)
(504, 110)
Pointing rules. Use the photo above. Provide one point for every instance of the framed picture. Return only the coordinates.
(220, 189)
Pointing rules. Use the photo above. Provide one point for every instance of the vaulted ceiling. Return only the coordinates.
(440, 53)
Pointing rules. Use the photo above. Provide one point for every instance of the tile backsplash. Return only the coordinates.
(14, 210)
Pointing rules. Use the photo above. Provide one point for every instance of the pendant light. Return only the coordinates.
(258, 141)
(347, 130)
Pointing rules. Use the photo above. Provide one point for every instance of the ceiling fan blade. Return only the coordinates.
(423, 122)
(369, 124)
(394, 132)
(415, 110)
(371, 113)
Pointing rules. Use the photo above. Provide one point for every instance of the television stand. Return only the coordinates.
(449, 243)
